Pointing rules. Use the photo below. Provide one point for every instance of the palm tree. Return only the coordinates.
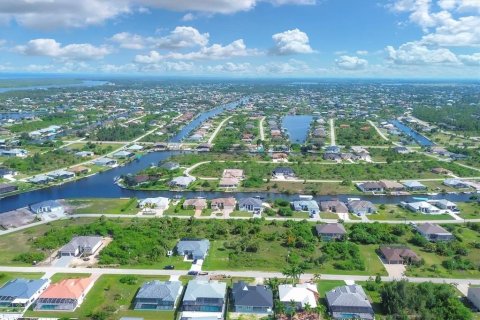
(307, 307)
(317, 276)
(294, 272)
(292, 309)
(279, 308)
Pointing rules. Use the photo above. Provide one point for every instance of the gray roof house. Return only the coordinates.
(433, 232)
(204, 296)
(361, 207)
(48, 206)
(370, 186)
(310, 206)
(330, 231)
(170, 166)
(181, 182)
(21, 292)
(252, 299)
(87, 245)
(474, 296)
(193, 248)
(414, 186)
(250, 205)
(158, 295)
(335, 206)
(284, 172)
(349, 300)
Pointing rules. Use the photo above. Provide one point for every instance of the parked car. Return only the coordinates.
(169, 267)
(192, 273)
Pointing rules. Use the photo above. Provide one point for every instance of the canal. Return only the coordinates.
(420, 139)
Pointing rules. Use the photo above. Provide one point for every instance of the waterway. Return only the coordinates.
(297, 127)
(101, 185)
(83, 83)
(420, 139)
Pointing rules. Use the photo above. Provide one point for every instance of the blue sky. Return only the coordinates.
(243, 38)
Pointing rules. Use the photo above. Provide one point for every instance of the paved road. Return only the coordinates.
(249, 274)
(217, 130)
(332, 132)
(262, 130)
(378, 130)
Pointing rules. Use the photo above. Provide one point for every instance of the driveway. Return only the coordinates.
(395, 271)
(63, 262)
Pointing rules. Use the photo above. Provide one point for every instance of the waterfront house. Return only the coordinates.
(135, 147)
(300, 295)
(6, 187)
(252, 299)
(361, 207)
(79, 170)
(19, 153)
(40, 179)
(181, 182)
(310, 206)
(106, 162)
(473, 296)
(283, 173)
(414, 186)
(84, 154)
(391, 185)
(7, 172)
(61, 175)
(455, 183)
(21, 293)
(433, 232)
(196, 203)
(253, 205)
(160, 203)
(81, 246)
(370, 186)
(48, 206)
(224, 204)
(334, 206)
(445, 204)
(332, 149)
(228, 183)
(193, 248)
(158, 295)
(331, 231)
(65, 295)
(206, 298)
(170, 166)
(349, 302)
(123, 154)
(421, 207)
(398, 255)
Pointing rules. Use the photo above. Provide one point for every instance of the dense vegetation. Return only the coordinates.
(117, 132)
(232, 133)
(462, 118)
(41, 162)
(355, 133)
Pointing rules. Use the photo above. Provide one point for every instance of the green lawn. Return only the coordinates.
(394, 212)
(113, 297)
(104, 206)
(469, 210)
(7, 276)
(240, 214)
(328, 215)
(57, 277)
(323, 286)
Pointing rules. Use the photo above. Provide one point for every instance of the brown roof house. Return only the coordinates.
(197, 204)
(398, 255)
(335, 206)
(391, 185)
(224, 204)
(331, 231)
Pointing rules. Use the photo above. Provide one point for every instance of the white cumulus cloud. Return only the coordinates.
(351, 63)
(415, 53)
(52, 48)
(470, 60)
(291, 42)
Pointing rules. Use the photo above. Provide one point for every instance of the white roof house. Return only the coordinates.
(423, 207)
(157, 203)
(302, 294)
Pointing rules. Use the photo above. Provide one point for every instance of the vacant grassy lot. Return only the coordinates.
(394, 212)
(111, 297)
(104, 206)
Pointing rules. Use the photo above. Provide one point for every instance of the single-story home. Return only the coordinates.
(391, 185)
(421, 207)
(160, 203)
(228, 182)
(48, 206)
(256, 299)
(123, 154)
(181, 182)
(473, 296)
(330, 231)
(283, 173)
(253, 205)
(106, 162)
(361, 207)
(224, 203)
(193, 248)
(445, 204)
(158, 295)
(204, 299)
(370, 186)
(335, 206)
(349, 300)
(21, 292)
(434, 232)
(61, 174)
(300, 295)
(455, 183)
(84, 154)
(310, 206)
(40, 179)
(398, 255)
(65, 295)
(414, 186)
(79, 170)
(233, 173)
(82, 245)
(196, 203)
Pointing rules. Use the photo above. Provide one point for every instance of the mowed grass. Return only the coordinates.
(111, 296)
(18, 242)
(7, 276)
(394, 212)
(57, 277)
(104, 206)
(469, 210)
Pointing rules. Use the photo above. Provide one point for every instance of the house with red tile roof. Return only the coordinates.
(65, 295)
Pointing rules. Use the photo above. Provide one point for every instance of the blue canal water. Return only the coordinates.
(297, 127)
(101, 185)
(420, 139)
